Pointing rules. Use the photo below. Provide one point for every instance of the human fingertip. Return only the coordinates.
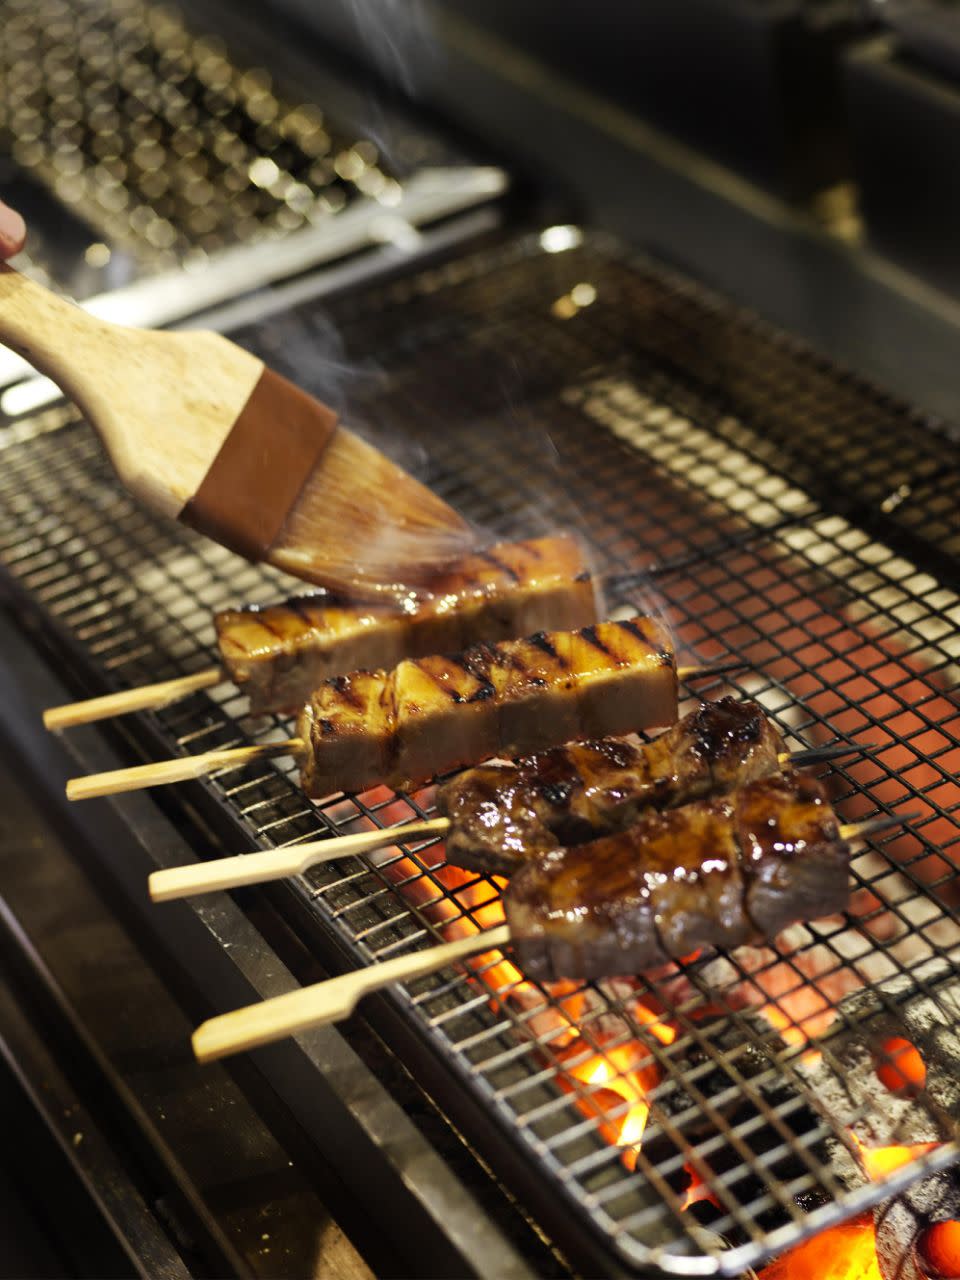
(13, 231)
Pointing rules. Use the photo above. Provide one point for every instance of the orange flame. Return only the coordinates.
(791, 1033)
(878, 1162)
(625, 1073)
(697, 1189)
(848, 1252)
(619, 1078)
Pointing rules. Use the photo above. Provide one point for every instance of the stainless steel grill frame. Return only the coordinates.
(708, 462)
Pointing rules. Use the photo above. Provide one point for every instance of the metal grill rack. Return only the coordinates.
(170, 147)
(550, 382)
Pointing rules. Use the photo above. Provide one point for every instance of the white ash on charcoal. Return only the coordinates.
(900, 1010)
(902, 1222)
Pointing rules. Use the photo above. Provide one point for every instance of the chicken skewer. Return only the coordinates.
(278, 654)
(335, 999)
(736, 744)
(443, 712)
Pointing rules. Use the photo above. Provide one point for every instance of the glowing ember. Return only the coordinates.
(901, 1067)
(697, 1190)
(938, 1250)
(612, 1084)
(790, 1033)
(847, 1252)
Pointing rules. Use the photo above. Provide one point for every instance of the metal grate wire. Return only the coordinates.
(709, 463)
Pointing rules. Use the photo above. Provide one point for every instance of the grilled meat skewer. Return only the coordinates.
(501, 814)
(279, 653)
(767, 876)
(434, 714)
(472, 838)
(718, 872)
(439, 713)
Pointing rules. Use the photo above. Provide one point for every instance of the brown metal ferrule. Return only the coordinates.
(260, 471)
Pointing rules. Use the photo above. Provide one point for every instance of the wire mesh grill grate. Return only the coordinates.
(708, 462)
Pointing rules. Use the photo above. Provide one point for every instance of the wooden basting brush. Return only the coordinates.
(201, 431)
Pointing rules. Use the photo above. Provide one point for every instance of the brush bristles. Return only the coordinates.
(363, 524)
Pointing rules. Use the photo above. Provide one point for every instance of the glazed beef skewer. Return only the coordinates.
(736, 744)
(500, 814)
(719, 872)
(797, 868)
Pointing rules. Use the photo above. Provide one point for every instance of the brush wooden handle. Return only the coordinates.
(163, 403)
(329, 1001)
(277, 864)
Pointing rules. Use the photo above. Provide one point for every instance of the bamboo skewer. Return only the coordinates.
(277, 864)
(180, 769)
(336, 998)
(328, 1001)
(147, 697)
(183, 768)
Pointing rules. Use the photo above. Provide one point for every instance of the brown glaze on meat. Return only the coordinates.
(278, 654)
(714, 873)
(790, 851)
(441, 712)
(567, 795)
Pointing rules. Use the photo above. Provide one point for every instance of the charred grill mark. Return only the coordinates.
(512, 660)
(296, 605)
(477, 660)
(267, 625)
(590, 635)
(464, 663)
(540, 640)
(502, 565)
(619, 753)
(346, 692)
(453, 694)
(639, 635)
